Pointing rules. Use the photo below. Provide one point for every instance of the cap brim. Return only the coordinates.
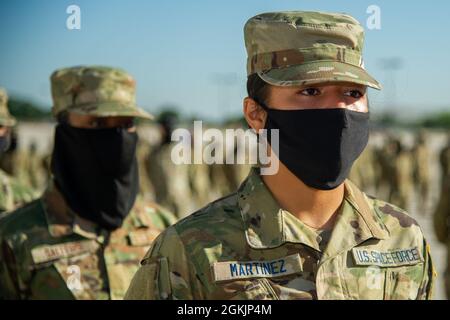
(9, 122)
(319, 72)
(111, 109)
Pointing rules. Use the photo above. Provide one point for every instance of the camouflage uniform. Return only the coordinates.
(6, 194)
(421, 173)
(442, 226)
(200, 184)
(48, 251)
(245, 246)
(385, 157)
(45, 241)
(363, 171)
(442, 213)
(12, 193)
(26, 167)
(444, 159)
(170, 181)
(403, 187)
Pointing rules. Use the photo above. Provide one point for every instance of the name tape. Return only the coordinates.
(230, 270)
(63, 250)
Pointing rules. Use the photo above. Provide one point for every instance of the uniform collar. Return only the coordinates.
(269, 226)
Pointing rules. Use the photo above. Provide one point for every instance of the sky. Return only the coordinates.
(190, 54)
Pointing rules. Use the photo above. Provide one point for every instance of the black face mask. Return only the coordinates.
(5, 143)
(96, 171)
(319, 146)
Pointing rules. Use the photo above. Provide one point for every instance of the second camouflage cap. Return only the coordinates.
(6, 119)
(301, 47)
(95, 90)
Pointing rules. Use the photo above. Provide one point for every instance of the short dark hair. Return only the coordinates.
(257, 88)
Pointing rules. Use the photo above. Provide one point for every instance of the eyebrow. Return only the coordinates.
(363, 89)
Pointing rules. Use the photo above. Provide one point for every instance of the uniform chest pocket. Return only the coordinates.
(403, 283)
(294, 287)
(67, 278)
(251, 289)
(375, 283)
(67, 270)
(393, 274)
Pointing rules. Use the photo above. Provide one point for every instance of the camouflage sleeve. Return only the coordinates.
(9, 288)
(22, 194)
(165, 272)
(442, 214)
(428, 276)
(6, 194)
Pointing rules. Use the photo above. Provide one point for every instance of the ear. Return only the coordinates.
(254, 114)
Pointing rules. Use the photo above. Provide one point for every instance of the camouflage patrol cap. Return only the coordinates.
(301, 47)
(95, 90)
(5, 117)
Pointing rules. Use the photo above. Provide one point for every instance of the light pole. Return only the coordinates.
(390, 66)
(224, 82)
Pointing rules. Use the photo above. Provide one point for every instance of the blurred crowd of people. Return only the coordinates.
(388, 168)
